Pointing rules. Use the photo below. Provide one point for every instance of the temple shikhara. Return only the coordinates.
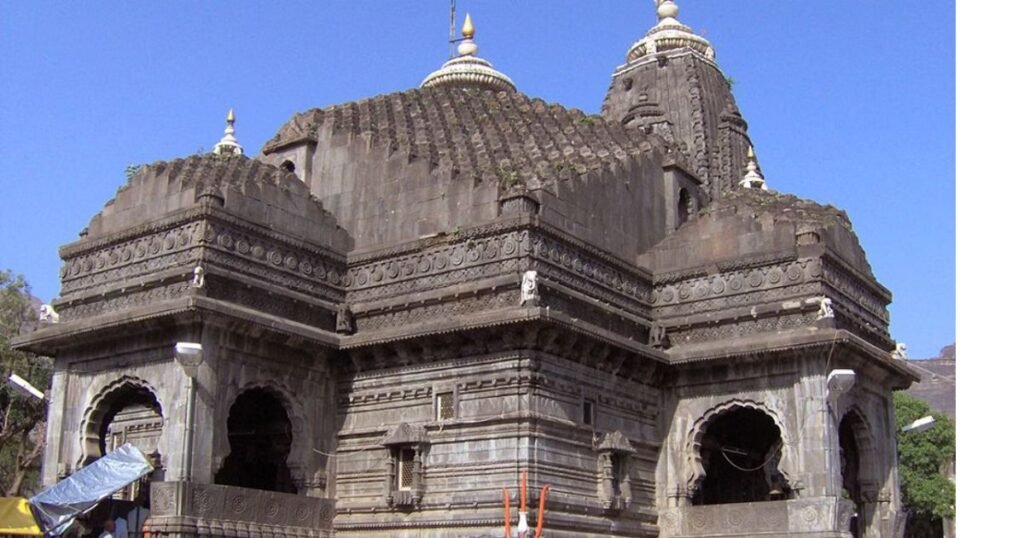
(374, 324)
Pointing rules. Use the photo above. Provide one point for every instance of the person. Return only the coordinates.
(108, 529)
(120, 528)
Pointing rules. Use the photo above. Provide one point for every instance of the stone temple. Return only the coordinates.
(378, 322)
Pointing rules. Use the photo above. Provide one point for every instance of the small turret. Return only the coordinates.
(228, 144)
(467, 70)
(753, 179)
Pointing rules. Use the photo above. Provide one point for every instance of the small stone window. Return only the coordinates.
(614, 458)
(406, 458)
(684, 209)
(404, 484)
(444, 405)
(588, 413)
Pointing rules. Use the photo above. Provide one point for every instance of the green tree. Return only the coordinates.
(925, 457)
(22, 419)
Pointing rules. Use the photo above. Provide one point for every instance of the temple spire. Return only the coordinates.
(753, 179)
(228, 144)
(468, 70)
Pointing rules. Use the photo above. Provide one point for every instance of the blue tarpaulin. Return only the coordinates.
(57, 506)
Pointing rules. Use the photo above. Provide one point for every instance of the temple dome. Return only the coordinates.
(468, 70)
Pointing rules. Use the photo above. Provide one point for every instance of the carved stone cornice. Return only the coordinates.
(204, 233)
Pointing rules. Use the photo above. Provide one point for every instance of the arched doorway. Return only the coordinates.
(125, 412)
(260, 438)
(856, 468)
(740, 452)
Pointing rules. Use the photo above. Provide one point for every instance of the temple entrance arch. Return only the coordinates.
(735, 455)
(857, 468)
(260, 439)
(125, 411)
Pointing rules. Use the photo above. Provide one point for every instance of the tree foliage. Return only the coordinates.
(22, 419)
(925, 458)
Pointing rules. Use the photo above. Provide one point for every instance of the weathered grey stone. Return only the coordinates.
(674, 319)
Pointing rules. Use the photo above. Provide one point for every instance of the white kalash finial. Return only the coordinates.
(468, 70)
(228, 144)
(667, 9)
(668, 35)
(753, 179)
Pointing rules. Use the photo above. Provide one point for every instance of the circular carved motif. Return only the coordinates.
(306, 267)
(376, 274)
(588, 269)
(362, 278)
(183, 239)
(577, 265)
(542, 249)
(735, 283)
(333, 277)
(810, 514)
(275, 257)
(736, 517)
(154, 246)
(347, 280)
(491, 251)
(408, 268)
(392, 270)
(243, 246)
(168, 242)
(814, 268)
(424, 264)
(794, 273)
(88, 264)
(698, 519)
(76, 268)
(258, 251)
(667, 295)
(440, 261)
(755, 278)
(718, 286)
(140, 250)
(684, 291)
(774, 276)
(303, 512)
(101, 260)
(224, 240)
(238, 504)
(509, 247)
(209, 234)
(326, 515)
(291, 262)
(458, 256)
(320, 272)
(126, 255)
(702, 290)
(271, 508)
(201, 502)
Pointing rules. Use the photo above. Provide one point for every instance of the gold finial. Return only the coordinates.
(231, 116)
(467, 47)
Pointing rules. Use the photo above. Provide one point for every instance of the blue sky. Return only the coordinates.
(850, 102)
